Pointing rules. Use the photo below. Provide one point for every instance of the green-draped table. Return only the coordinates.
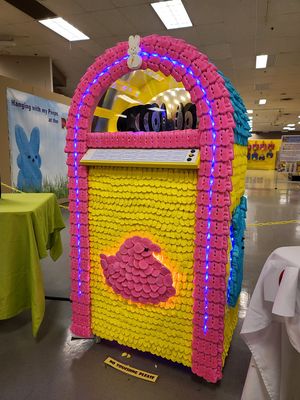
(30, 224)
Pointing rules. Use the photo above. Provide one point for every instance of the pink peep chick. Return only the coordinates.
(136, 274)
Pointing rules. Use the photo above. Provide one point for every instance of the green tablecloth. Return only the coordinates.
(30, 224)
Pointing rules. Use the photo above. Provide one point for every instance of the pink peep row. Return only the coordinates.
(188, 138)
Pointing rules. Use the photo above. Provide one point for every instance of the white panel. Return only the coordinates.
(143, 18)
(94, 5)
(218, 51)
(205, 11)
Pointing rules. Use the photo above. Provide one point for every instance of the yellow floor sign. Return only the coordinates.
(127, 369)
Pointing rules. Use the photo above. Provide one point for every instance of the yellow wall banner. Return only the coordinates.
(262, 154)
(127, 369)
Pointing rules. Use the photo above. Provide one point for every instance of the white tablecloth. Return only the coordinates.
(272, 330)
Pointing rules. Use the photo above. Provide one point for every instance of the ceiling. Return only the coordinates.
(230, 32)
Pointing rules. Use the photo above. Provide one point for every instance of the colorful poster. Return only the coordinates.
(289, 156)
(37, 135)
(262, 154)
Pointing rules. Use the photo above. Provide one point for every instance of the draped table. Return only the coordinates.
(30, 225)
(272, 329)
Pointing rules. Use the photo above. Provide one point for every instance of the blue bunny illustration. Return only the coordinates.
(29, 160)
(254, 156)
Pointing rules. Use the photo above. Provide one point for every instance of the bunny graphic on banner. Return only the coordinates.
(28, 160)
(37, 135)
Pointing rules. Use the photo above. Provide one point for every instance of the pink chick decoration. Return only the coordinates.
(135, 274)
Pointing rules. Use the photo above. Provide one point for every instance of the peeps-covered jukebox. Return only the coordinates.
(157, 212)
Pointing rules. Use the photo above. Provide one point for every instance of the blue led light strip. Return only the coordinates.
(211, 178)
(76, 162)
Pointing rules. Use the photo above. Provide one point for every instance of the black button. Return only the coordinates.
(193, 151)
(189, 159)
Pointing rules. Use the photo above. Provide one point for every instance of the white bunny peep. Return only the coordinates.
(134, 61)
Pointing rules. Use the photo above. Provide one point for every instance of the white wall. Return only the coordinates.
(35, 71)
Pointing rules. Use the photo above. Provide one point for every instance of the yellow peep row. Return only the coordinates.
(239, 174)
(166, 215)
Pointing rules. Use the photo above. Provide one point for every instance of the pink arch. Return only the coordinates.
(214, 137)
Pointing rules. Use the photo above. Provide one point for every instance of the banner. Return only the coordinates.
(262, 154)
(289, 156)
(37, 135)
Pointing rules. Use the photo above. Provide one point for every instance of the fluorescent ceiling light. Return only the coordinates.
(63, 28)
(286, 128)
(262, 101)
(291, 124)
(249, 111)
(261, 61)
(128, 99)
(172, 13)
(292, 129)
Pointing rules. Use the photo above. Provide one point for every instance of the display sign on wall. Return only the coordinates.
(289, 156)
(37, 134)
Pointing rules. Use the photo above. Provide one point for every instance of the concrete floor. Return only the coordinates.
(54, 367)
